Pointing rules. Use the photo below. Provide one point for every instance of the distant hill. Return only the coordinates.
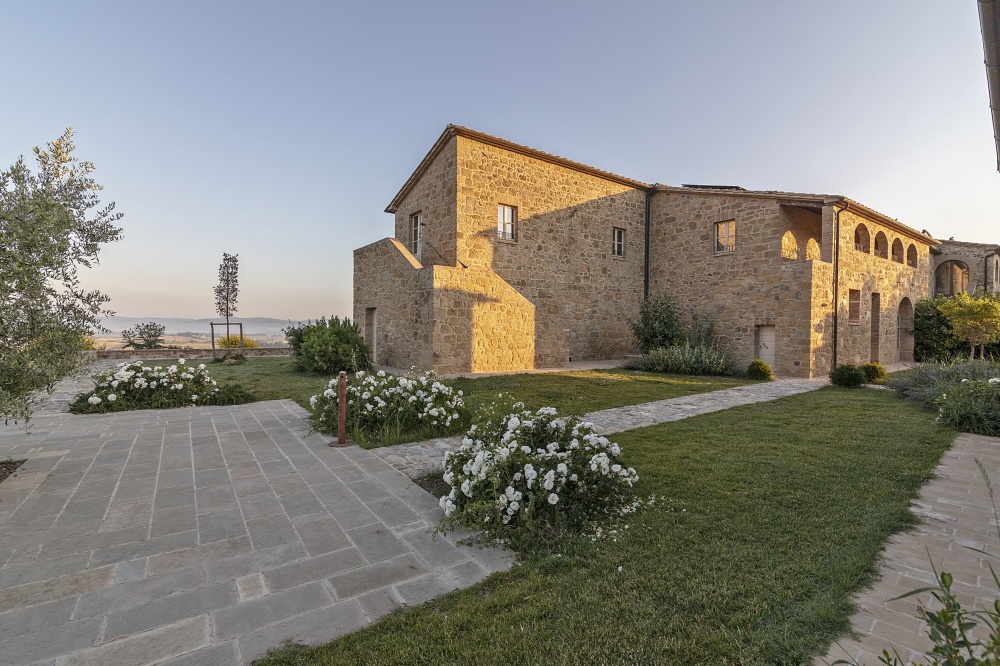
(174, 325)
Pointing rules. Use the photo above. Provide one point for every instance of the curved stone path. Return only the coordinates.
(418, 459)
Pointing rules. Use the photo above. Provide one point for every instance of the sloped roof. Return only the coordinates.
(457, 130)
(785, 197)
(793, 198)
(989, 24)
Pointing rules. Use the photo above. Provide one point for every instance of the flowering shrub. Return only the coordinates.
(385, 409)
(520, 473)
(135, 386)
(965, 394)
(972, 405)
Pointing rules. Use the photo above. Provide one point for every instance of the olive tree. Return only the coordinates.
(51, 223)
(975, 319)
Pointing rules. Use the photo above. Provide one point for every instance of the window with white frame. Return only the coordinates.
(617, 242)
(416, 234)
(725, 237)
(507, 223)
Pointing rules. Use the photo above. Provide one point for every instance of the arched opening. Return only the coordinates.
(862, 240)
(789, 248)
(904, 331)
(881, 246)
(812, 250)
(950, 278)
(911, 256)
(897, 251)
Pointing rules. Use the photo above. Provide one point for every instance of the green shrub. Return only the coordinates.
(525, 478)
(926, 383)
(874, 372)
(933, 339)
(329, 347)
(682, 360)
(965, 394)
(660, 324)
(387, 409)
(847, 376)
(759, 369)
(134, 386)
(972, 405)
(294, 334)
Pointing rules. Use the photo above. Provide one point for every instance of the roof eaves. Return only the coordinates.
(458, 130)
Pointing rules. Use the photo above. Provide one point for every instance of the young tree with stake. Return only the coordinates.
(228, 288)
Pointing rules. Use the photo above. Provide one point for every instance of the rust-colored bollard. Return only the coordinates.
(342, 412)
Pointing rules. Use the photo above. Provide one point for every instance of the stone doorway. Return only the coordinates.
(765, 340)
(904, 331)
(876, 327)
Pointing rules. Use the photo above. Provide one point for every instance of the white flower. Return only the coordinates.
(93, 400)
(112, 397)
(180, 360)
(553, 498)
(193, 398)
(201, 366)
(995, 380)
(312, 401)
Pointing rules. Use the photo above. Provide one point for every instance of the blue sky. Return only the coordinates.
(280, 131)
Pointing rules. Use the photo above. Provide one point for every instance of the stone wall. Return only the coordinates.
(891, 280)
(754, 285)
(388, 278)
(481, 324)
(433, 197)
(137, 354)
(562, 259)
(981, 260)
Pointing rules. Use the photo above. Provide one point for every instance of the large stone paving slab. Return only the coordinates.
(207, 536)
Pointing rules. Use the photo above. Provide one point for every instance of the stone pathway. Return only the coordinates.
(418, 459)
(207, 536)
(66, 390)
(956, 518)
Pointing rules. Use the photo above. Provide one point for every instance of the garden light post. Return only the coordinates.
(342, 410)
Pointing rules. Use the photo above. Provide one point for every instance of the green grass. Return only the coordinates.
(577, 393)
(267, 378)
(772, 515)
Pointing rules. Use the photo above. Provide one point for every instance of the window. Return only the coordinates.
(507, 223)
(725, 236)
(617, 242)
(911, 256)
(416, 234)
(881, 246)
(854, 306)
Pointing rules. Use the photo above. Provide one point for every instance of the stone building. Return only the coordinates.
(968, 267)
(508, 258)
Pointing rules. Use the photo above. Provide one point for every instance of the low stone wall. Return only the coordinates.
(137, 354)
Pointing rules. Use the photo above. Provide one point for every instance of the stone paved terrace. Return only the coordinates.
(206, 536)
(420, 458)
(956, 518)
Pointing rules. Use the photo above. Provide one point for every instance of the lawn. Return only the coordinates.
(573, 393)
(580, 392)
(770, 517)
(266, 378)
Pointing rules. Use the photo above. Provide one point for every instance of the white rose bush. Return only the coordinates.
(387, 409)
(522, 475)
(129, 386)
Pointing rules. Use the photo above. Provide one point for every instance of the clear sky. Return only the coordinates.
(281, 130)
